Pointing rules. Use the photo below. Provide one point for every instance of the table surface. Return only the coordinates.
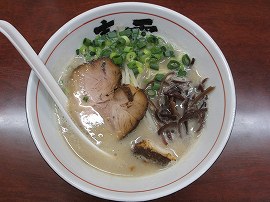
(241, 29)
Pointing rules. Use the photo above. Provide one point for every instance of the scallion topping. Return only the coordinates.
(85, 98)
(151, 92)
(87, 42)
(159, 77)
(105, 52)
(141, 43)
(130, 56)
(181, 73)
(117, 59)
(156, 85)
(126, 32)
(132, 64)
(135, 71)
(143, 33)
(154, 65)
(126, 39)
(137, 50)
(186, 60)
(121, 41)
(173, 64)
(152, 39)
(169, 53)
(112, 34)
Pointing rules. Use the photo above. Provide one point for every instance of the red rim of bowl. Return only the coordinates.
(134, 191)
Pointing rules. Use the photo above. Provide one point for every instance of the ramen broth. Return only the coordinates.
(120, 159)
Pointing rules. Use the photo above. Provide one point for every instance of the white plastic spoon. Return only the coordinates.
(43, 74)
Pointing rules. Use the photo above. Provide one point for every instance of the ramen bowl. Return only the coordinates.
(59, 51)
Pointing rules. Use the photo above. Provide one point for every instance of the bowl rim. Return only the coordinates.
(43, 53)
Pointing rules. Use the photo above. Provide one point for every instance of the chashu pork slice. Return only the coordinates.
(96, 80)
(125, 110)
(96, 89)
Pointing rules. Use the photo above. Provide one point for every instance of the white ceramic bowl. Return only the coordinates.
(59, 51)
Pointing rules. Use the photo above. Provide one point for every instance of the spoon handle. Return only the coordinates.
(44, 75)
(35, 63)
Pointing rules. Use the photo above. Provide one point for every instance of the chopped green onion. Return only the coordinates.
(83, 49)
(135, 71)
(99, 42)
(92, 53)
(138, 52)
(169, 53)
(98, 51)
(105, 52)
(151, 92)
(128, 49)
(186, 60)
(155, 49)
(162, 41)
(152, 59)
(113, 45)
(112, 34)
(173, 64)
(132, 64)
(65, 91)
(124, 55)
(156, 85)
(159, 77)
(144, 58)
(88, 57)
(117, 59)
(158, 56)
(141, 43)
(61, 82)
(163, 48)
(126, 39)
(103, 37)
(85, 98)
(113, 54)
(91, 48)
(126, 32)
(87, 42)
(121, 41)
(130, 56)
(143, 33)
(152, 39)
(108, 43)
(135, 31)
(154, 65)
(147, 52)
(136, 49)
(139, 66)
(181, 73)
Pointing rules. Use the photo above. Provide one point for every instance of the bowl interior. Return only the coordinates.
(178, 30)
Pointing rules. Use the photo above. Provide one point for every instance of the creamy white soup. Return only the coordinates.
(171, 120)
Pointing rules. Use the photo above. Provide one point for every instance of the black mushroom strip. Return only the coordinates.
(176, 104)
